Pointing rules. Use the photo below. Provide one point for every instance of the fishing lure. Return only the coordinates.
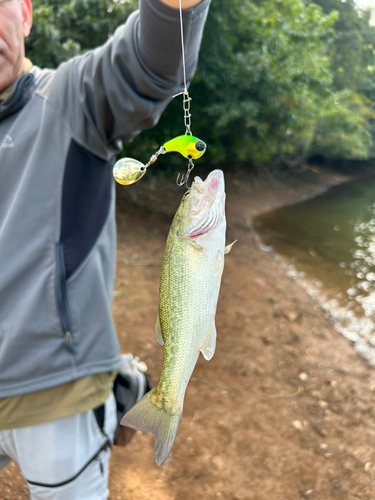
(128, 170)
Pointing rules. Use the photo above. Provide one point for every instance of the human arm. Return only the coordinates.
(112, 93)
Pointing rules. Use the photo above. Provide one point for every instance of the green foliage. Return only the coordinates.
(274, 69)
(277, 81)
(351, 49)
(350, 45)
(65, 28)
(339, 131)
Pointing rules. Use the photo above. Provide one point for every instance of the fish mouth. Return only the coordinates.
(213, 185)
(208, 200)
(209, 192)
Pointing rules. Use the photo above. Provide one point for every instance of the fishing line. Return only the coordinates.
(128, 170)
(183, 47)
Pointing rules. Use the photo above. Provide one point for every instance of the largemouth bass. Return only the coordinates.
(191, 273)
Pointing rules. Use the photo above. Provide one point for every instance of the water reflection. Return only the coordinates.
(329, 243)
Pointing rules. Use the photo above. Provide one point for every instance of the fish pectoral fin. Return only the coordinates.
(191, 242)
(218, 266)
(158, 332)
(195, 245)
(228, 248)
(209, 346)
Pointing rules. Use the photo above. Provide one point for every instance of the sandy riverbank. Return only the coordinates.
(284, 410)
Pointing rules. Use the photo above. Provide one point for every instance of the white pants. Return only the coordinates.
(56, 451)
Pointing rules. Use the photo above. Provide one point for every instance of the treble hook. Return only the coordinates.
(185, 177)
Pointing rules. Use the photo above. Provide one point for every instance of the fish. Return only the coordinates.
(190, 280)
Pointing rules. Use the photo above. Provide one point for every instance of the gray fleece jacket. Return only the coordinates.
(59, 134)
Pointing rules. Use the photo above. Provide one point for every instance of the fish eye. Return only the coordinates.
(185, 195)
(200, 146)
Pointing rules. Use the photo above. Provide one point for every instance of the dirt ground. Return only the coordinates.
(283, 411)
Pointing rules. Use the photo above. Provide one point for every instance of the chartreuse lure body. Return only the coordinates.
(187, 146)
(128, 171)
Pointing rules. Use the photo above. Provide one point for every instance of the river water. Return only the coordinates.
(328, 243)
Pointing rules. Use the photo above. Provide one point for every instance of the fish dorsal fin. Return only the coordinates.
(228, 248)
(158, 333)
(208, 348)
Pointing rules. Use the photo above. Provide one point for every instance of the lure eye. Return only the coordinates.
(200, 146)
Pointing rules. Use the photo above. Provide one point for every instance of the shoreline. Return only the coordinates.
(259, 196)
(349, 326)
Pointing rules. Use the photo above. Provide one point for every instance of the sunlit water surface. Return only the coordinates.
(329, 244)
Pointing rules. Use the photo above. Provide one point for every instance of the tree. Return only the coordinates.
(351, 48)
(350, 44)
(265, 84)
(65, 28)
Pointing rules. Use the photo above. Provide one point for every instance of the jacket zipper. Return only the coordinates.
(62, 299)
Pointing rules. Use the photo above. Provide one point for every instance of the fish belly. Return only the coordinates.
(187, 306)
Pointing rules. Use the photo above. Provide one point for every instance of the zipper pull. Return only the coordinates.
(68, 339)
(68, 343)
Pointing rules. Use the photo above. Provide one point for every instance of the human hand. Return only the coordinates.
(185, 4)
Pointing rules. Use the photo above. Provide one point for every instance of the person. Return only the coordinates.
(60, 131)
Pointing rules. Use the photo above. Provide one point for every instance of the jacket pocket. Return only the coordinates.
(62, 299)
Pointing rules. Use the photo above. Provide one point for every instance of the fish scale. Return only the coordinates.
(180, 337)
(189, 287)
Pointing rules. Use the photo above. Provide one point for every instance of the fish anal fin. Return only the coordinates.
(209, 346)
(228, 248)
(158, 332)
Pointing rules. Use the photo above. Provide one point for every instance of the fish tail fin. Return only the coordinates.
(147, 417)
